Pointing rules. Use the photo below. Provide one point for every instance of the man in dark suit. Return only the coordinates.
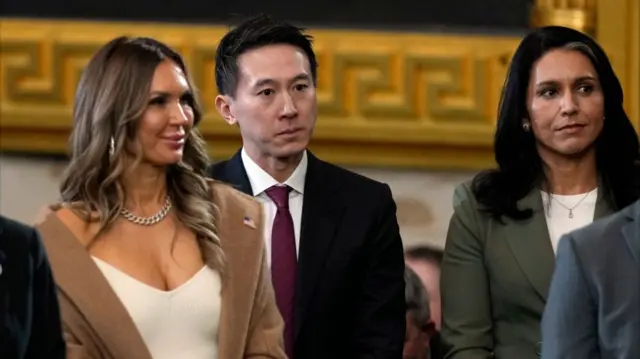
(333, 241)
(29, 316)
(593, 308)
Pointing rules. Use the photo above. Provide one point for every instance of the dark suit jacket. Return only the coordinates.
(495, 280)
(350, 285)
(435, 347)
(29, 316)
(593, 311)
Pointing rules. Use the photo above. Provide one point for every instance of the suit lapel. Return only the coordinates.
(631, 231)
(234, 174)
(322, 212)
(531, 245)
(2, 254)
(78, 277)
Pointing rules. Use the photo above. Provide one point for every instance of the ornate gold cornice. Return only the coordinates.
(576, 14)
(385, 99)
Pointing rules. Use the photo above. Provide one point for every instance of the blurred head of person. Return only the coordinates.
(425, 262)
(561, 104)
(420, 327)
(134, 118)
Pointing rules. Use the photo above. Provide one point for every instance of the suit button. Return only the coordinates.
(538, 348)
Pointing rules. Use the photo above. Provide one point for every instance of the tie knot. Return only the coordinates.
(279, 195)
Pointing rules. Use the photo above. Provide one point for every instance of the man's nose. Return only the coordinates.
(289, 108)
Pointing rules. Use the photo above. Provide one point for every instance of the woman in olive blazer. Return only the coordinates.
(560, 117)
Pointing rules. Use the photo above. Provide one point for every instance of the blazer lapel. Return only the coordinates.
(80, 280)
(322, 212)
(531, 245)
(232, 333)
(631, 231)
(2, 254)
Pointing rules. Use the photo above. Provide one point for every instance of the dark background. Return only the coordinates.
(468, 16)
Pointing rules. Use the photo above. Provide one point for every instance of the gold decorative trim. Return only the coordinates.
(576, 14)
(618, 31)
(385, 99)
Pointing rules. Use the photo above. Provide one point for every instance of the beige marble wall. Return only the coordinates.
(424, 200)
(26, 184)
(423, 197)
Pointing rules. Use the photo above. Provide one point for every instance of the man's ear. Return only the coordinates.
(223, 105)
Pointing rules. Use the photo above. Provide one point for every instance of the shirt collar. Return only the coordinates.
(260, 180)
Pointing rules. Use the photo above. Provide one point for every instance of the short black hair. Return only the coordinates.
(425, 253)
(255, 32)
(416, 298)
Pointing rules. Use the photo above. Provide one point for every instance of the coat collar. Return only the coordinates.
(81, 282)
(260, 180)
(631, 231)
(530, 242)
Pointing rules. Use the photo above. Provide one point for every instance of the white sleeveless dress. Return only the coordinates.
(181, 323)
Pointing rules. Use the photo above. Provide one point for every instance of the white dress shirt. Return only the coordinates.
(260, 181)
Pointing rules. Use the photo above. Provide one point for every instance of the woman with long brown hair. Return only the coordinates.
(153, 260)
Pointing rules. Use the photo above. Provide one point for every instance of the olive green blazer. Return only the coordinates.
(495, 279)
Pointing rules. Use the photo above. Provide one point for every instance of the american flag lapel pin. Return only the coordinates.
(249, 222)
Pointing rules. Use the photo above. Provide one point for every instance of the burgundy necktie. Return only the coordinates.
(283, 261)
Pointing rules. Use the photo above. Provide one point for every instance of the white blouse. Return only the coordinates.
(557, 208)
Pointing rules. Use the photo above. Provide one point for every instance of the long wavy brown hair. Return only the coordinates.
(111, 98)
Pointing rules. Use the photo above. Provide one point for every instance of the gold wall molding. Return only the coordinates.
(386, 99)
(576, 14)
(618, 31)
